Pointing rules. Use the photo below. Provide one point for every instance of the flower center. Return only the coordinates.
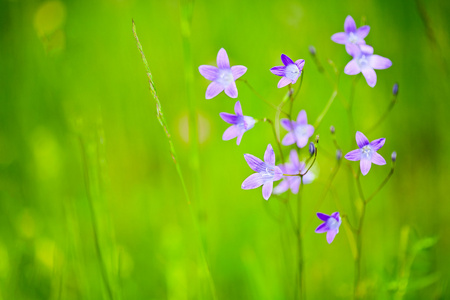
(366, 152)
(225, 78)
(301, 131)
(240, 122)
(332, 223)
(292, 72)
(268, 173)
(352, 38)
(363, 62)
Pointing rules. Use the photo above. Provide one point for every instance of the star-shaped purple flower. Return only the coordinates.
(240, 123)
(352, 35)
(330, 226)
(222, 77)
(299, 131)
(365, 61)
(367, 152)
(293, 182)
(266, 174)
(290, 71)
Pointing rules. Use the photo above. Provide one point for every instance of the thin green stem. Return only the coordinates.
(301, 284)
(325, 110)
(381, 185)
(384, 116)
(267, 120)
(278, 109)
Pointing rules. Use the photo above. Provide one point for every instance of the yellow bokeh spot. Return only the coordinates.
(49, 17)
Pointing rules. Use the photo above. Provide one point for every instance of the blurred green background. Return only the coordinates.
(91, 206)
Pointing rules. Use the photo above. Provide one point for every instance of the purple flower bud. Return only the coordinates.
(338, 154)
(312, 149)
(394, 156)
(312, 50)
(395, 89)
(332, 130)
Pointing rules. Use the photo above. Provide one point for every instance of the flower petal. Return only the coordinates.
(353, 50)
(269, 155)
(379, 62)
(309, 130)
(330, 235)
(363, 31)
(349, 25)
(300, 63)
(239, 137)
(361, 139)
(377, 144)
(301, 141)
(213, 90)
(255, 163)
(283, 82)
(267, 189)
(322, 228)
(293, 157)
(295, 184)
(238, 71)
(231, 90)
(286, 60)
(366, 49)
(222, 59)
(229, 118)
(378, 159)
(370, 75)
(335, 215)
(209, 72)
(353, 155)
(286, 123)
(282, 187)
(323, 217)
(340, 38)
(238, 109)
(288, 139)
(301, 118)
(252, 182)
(231, 133)
(249, 122)
(278, 174)
(279, 71)
(352, 68)
(365, 165)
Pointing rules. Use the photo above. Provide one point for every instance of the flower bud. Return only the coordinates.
(338, 154)
(395, 89)
(394, 156)
(317, 139)
(332, 130)
(312, 148)
(312, 50)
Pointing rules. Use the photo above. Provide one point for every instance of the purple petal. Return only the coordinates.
(363, 31)
(249, 122)
(293, 157)
(286, 123)
(309, 130)
(378, 159)
(222, 59)
(335, 215)
(231, 133)
(352, 68)
(239, 138)
(322, 228)
(353, 155)
(283, 82)
(361, 139)
(302, 141)
(238, 109)
(281, 188)
(379, 62)
(279, 71)
(300, 63)
(229, 118)
(349, 25)
(353, 50)
(377, 144)
(231, 90)
(267, 190)
(340, 38)
(278, 174)
(365, 165)
(370, 75)
(330, 235)
(252, 182)
(286, 60)
(288, 139)
(255, 163)
(295, 184)
(301, 118)
(209, 72)
(323, 217)
(269, 155)
(213, 90)
(238, 71)
(366, 49)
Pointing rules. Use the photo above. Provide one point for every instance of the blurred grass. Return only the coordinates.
(70, 71)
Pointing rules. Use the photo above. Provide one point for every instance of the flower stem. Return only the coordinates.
(381, 185)
(261, 97)
(276, 137)
(301, 285)
(325, 109)
(384, 116)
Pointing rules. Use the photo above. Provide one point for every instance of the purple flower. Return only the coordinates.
(266, 174)
(299, 132)
(352, 35)
(222, 77)
(330, 226)
(290, 72)
(240, 123)
(367, 152)
(293, 182)
(365, 61)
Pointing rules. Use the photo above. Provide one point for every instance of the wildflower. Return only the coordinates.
(293, 182)
(352, 35)
(312, 148)
(330, 226)
(240, 123)
(395, 89)
(299, 131)
(365, 61)
(367, 152)
(290, 72)
(222, 77)
(266, 172)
